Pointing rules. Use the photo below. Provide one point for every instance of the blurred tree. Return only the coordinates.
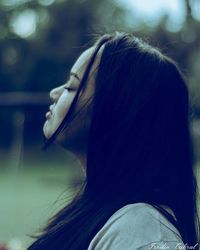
(39, 44)
(42, 59)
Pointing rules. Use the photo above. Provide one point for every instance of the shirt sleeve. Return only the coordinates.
(135, 229)
(119, 243)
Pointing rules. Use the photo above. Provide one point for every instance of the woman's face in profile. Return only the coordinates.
(62, 97)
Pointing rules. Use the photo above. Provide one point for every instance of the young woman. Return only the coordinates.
(124, 112)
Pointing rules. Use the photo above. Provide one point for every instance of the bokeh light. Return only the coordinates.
(24, 23)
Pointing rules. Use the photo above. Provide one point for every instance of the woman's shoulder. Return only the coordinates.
(134, 225)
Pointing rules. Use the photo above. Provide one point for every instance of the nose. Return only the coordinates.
(55, 93)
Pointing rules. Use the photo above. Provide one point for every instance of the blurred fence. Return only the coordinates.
(24, 98)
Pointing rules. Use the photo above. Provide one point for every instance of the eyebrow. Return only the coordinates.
(75, 75)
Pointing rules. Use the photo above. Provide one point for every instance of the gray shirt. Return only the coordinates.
(137, 226)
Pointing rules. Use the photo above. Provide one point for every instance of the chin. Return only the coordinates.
(46, 131)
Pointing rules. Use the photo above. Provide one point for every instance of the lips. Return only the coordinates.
(50, 112)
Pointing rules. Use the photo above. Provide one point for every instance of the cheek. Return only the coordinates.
(63, 105)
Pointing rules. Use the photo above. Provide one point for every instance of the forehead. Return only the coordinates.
(81, 63)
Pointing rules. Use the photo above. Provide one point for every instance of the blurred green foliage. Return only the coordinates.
(42, 60)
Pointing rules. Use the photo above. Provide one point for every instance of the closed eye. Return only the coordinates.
(68, 88)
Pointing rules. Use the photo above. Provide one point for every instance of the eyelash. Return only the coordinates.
(68, 88)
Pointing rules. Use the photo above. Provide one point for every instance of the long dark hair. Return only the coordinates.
(140, 147)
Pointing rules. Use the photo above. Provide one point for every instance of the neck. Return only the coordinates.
(79, 152)
(81, 155)
(82, 158)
